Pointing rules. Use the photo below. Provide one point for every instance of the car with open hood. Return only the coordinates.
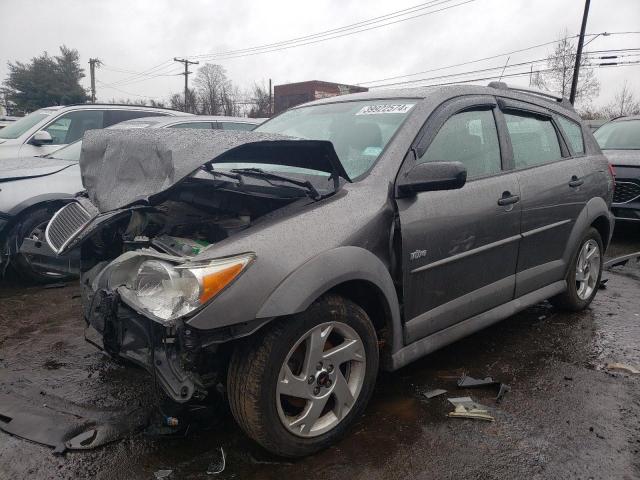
(619, 140)
(33, 188)
(285, 266)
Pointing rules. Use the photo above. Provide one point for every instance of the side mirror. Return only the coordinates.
(41, 137)
(431, 176)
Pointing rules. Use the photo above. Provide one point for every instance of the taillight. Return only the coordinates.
(612, 170)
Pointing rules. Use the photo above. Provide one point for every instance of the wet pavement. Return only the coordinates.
(566, 415)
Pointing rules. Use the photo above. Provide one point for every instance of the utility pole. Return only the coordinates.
(270, 103)
(576, 67)
(186, 78)
(93, 63)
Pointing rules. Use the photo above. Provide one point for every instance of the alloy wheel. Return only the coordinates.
(587, 269)
(320, 380)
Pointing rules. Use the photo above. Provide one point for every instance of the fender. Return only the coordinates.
(595, 207)
(325, 271)
(40, 199)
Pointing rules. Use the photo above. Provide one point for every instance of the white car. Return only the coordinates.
(48, 129)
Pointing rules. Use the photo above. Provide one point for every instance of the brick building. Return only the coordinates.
(292, 94)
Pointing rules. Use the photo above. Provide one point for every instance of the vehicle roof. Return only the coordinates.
(444, 92)
(194, 118)
(625, 118)
(114, 106)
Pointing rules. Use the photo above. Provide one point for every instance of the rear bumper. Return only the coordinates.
(626, 212)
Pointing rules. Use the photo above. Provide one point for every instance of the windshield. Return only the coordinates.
(359, 131)
(70, 152)
(18, 127)
(623, 135)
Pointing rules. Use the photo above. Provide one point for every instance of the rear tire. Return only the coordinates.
(297, 387)
(583, 278)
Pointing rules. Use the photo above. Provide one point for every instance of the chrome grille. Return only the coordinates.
(65, 224)
(626, 191)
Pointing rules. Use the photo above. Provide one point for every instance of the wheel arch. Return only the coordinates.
(353, 272)
(18, 213)
(595, 214)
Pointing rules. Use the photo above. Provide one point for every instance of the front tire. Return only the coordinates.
(33, 226)
(583, 278)
(296, 388)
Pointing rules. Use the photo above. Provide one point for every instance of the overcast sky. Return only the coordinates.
(136, 35)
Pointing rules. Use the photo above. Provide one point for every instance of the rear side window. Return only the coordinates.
(236, 126)
(116, 116)
(196, 125)
(534, 139)
(573, 133)
(471, 138)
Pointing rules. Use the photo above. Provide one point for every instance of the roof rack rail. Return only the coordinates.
(533, 91)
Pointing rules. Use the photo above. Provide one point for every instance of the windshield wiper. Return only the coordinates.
(259, 173)
(217, 173)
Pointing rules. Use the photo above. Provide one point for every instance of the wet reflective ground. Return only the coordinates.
(566, 416)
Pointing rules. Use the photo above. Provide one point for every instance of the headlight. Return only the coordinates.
(170, 291)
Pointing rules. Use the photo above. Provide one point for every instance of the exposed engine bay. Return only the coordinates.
(141, 282)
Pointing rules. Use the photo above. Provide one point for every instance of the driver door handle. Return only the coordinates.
(575, 181)
(508, 199)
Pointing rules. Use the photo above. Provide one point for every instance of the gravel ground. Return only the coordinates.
(566, 415)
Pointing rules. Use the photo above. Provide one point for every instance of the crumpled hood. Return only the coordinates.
(124, 167)
(28, 167)
(623, 158)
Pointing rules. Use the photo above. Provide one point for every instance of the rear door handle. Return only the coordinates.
(508, 199)
(575, 182)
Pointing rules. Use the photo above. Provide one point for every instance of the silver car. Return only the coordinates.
(32, 189)
(46, 130)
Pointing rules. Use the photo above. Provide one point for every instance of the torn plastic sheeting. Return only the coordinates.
(434, 393)
(621, 367)
(63, 425)
(620, 261)
(466, 407)
(470, 382)
(218, 465)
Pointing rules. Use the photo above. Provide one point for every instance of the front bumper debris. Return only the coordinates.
(161, 350)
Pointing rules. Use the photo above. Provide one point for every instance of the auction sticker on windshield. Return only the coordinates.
(385, 108)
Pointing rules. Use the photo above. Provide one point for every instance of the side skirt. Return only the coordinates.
(460, 330)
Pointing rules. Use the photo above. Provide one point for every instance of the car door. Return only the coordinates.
(65, 129)
(460, 247)
(551, 189)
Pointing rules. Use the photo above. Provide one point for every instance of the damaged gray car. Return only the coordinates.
(283, 267)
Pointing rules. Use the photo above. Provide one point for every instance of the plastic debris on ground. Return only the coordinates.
(465, 407)
(470, 382)
(621, 367)
(162, 474)
(217, 466)
(434, 393)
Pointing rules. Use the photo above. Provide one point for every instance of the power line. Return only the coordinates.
(105, 85)
(518, 74)
(499, 55)
(225, 56)
(482, 70)
(380, 18)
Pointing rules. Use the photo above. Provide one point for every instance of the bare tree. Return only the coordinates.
(624, 103)
(211, 83)
(261, 101)
(559, 73)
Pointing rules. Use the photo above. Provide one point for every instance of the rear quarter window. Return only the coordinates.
(573, 133)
